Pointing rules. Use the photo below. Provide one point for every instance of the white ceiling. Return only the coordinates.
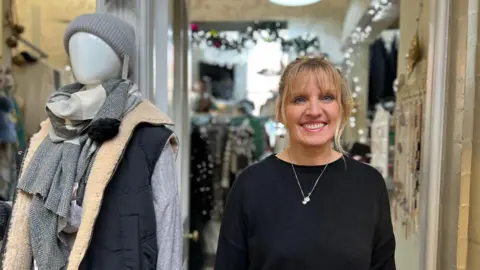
(46, 20)
(244, 10)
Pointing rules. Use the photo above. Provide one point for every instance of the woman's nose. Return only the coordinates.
(314, 108)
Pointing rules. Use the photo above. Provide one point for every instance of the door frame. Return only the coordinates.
(434, 133)
(181, 110)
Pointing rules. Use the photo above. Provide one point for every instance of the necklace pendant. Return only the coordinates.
(306, 200)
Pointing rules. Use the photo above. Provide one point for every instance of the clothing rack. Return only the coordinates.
(10, 135)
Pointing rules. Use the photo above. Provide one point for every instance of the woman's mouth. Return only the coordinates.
(316, 127)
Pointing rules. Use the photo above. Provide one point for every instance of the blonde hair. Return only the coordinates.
(325, 73)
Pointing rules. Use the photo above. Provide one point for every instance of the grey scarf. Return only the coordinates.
(65, 157)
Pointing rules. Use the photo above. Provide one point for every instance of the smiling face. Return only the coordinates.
(312, 112)
(313, 103)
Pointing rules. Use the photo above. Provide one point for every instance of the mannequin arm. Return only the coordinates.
(167, 211)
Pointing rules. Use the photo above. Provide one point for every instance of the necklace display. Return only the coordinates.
(306, 199)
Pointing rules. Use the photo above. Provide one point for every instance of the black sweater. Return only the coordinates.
(346, 225)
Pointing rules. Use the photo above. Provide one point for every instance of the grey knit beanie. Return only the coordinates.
(117, 33)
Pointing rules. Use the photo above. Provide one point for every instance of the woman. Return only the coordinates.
(310, 206)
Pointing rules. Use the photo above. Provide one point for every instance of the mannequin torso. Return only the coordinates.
(93, 60)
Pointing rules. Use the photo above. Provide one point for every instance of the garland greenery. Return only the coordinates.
(268, 31)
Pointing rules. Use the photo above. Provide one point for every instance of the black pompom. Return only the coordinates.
(103, 129)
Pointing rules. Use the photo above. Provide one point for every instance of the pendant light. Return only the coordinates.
(294, 3)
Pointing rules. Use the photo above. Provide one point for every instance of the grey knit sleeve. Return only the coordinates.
(167, 211)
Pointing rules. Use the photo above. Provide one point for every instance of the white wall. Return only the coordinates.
(265, 55)
(240, 88)
(329, 32)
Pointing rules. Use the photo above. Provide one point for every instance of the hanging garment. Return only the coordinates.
(7, 125)
(6, 104)
(258, 133)
(7, 170)
(8, 133)
(392, 70)
(5, 212)
(378, 73)
(380, 141)
(201, 194)
(201, 172)
(217, 134)
(19, 124)
(239, 153)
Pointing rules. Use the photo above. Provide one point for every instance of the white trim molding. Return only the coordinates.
(434, 133)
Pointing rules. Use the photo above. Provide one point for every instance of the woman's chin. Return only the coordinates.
(316, 142)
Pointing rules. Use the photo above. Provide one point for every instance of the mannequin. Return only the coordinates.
(82, 57)
(123, 203)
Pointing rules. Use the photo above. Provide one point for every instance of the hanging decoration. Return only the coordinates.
(356, 89)
(408, 131)
(243, 40)
(414, 53)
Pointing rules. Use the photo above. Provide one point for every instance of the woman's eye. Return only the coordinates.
(298, 100)
(328, 98)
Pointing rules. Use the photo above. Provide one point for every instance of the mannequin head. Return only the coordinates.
(98, 45)
(93, 60)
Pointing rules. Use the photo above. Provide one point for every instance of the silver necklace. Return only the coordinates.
(306, 199)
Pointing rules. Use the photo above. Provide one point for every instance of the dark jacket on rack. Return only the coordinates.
(392, 71)
(201, 194)
(118, 228)
(381, 73)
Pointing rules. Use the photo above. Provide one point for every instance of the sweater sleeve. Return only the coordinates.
(166, 203)
(232, 252)
(383, 255)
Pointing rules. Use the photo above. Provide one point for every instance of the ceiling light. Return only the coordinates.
(294, 3)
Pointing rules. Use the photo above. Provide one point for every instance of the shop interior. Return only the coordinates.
(236, 52)
(237, 103)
